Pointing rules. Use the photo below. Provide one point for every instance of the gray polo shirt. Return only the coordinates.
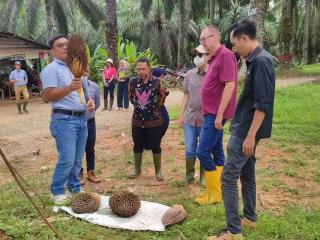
(192, 85)
(257, 93)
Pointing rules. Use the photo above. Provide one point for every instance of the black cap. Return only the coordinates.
(54, 38)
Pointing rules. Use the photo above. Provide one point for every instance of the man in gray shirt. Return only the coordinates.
(191, 118)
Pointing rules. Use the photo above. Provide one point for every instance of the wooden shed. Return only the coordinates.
(32, 54)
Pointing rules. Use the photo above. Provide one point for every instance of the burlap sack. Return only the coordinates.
(173, 215)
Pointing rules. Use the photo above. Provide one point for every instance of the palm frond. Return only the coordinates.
(91, 11)
(32, 13)
(169, 6)
(145, 6)
(60, 17)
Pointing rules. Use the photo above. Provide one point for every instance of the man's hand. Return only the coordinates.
(76, 83)
(181, 121)
(218, 122)
(248, 146)
(90, 105)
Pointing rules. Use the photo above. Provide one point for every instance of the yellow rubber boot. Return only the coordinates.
(207, 197)
(217, 198)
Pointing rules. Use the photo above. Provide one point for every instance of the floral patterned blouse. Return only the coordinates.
(146, 99)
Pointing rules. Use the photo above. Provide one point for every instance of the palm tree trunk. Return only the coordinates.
(111, 30)
(257, 11)
(306, 32)
(49, 18)
(184, 10)
(212, 8)
(286, 26)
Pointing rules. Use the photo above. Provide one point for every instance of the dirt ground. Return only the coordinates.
(27, 143)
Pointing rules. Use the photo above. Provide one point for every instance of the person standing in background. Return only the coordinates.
(109, 75)
(123, 77)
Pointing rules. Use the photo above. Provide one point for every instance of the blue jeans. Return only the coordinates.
(70, 133)
(91, 142)
(122, 94)
(109, 89)
(210, 149)
(192, 135)
(238, 166)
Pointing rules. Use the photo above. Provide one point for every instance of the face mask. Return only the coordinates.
(198, 61)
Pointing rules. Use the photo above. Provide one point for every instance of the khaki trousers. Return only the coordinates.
(24, 91)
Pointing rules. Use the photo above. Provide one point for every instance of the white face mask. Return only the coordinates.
(198, 61)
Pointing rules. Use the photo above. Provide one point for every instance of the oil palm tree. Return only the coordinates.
(111, 29)
(257, 11)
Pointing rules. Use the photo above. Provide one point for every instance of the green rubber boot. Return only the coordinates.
(202, 177)
(190, 170)
(137, 165)
(157, 166)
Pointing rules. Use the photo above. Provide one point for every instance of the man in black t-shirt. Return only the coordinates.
(252, 122)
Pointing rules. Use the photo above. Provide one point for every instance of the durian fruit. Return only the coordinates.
(124, 203)
(85, 203)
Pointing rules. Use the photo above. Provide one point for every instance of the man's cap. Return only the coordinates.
(17, 63)
(55, 38)
(201, 49)
(109, 60)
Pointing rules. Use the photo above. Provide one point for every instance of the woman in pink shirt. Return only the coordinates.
(109, 74)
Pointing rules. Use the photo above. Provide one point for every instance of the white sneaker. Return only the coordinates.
(118, 109)
(71, 194)
(59, 199)
(126, 109)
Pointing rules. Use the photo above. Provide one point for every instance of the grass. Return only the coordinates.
(300, 70)
(295, 133)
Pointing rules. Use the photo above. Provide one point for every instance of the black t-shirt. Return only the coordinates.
(258, 93)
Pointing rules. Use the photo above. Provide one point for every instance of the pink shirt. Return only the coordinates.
(108, 73)
(222, 68)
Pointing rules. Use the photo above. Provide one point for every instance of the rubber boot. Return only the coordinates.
(207, 197)
(217, 198)
(190, 170)
(157, 166)
(202, 177)
(92, 177)
(25, 107)
(137, 165)
(110, 104)
(82, 182)
(19, 108)
(105, 105)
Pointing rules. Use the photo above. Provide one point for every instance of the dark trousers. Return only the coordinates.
(146, 138)
(122, 94)
(107, 90)
(91, 141)
(166, 120)
(210, 149)
(237, 165)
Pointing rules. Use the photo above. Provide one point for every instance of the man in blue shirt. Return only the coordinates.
(19, 78)
(68, 119)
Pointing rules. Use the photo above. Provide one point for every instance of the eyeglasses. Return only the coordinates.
(202, 40)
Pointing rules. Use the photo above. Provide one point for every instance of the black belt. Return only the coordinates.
(69, 112)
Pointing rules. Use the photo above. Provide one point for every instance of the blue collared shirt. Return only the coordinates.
(20, 75)
(95, 96)
(58, 75)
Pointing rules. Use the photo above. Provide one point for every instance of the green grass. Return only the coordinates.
(296, 114)
(21, 221)
(311, 69)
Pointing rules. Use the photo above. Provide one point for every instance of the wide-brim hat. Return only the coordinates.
(201, 49)
(109, 60)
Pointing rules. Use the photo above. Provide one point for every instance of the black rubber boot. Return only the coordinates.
(111, 104)
(105, 105)
(25, 107)
(202, 177)
(19, 108)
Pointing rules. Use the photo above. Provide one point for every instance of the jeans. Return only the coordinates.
(91, 142)
(122, 94)
(70, 133)
(210, 149)
(192, 135)
(237, 165)
(109, 89)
